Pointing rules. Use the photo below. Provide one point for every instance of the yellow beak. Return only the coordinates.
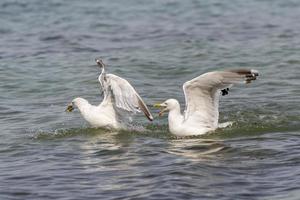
(162, 107)
(157, 105)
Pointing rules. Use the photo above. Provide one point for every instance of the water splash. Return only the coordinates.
(245, 124)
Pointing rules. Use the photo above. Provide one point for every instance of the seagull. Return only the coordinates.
(202, 94)
(118, 93)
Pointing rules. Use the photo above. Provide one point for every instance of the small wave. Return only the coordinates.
(52, 37)
(255, 123)
(137, 129)
(65, 133)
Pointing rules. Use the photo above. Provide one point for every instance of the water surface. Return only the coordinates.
(47, 51)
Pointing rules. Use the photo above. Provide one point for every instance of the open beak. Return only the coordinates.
(70, 108)
(162, 108)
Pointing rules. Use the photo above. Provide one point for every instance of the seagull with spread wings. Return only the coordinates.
(202, 94)
(118, 94)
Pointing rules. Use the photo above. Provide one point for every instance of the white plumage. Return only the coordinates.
(202, 101)
(118, 94)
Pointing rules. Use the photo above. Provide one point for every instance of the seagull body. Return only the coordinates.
(118, 94)
(202, 94)
(103, 115)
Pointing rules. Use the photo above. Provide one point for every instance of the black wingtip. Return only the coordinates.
(225, 91)
(145, 110)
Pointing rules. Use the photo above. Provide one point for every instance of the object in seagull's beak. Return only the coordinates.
(162, 107)
(70, 108)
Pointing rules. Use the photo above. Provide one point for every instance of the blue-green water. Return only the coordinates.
(47, 51)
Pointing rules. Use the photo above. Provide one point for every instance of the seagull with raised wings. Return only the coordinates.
(201, 114)
(118, 94)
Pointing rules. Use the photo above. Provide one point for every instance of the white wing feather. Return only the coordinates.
(202, 94)
(124, 95)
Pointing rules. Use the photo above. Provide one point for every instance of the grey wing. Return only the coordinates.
(124, 95)
(104, 86)
(202, 93)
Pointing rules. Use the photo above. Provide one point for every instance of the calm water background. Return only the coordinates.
(47, 51)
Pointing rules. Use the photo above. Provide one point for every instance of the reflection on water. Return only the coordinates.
(196, 149)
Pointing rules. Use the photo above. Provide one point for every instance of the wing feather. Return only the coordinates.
(202, 93)
(124, 95)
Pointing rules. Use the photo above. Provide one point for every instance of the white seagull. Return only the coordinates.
(118, 94)
(202, 93)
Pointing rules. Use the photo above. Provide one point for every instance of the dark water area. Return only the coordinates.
(47, 51)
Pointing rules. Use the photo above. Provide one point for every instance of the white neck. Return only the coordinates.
(103, 70)
(84, 107)
(175, 118)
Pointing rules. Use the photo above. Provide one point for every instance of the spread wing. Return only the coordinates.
(123, 94)
(202, 94)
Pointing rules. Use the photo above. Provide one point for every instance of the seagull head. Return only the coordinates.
(167, 105)
(100, 63)
(78, 102)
